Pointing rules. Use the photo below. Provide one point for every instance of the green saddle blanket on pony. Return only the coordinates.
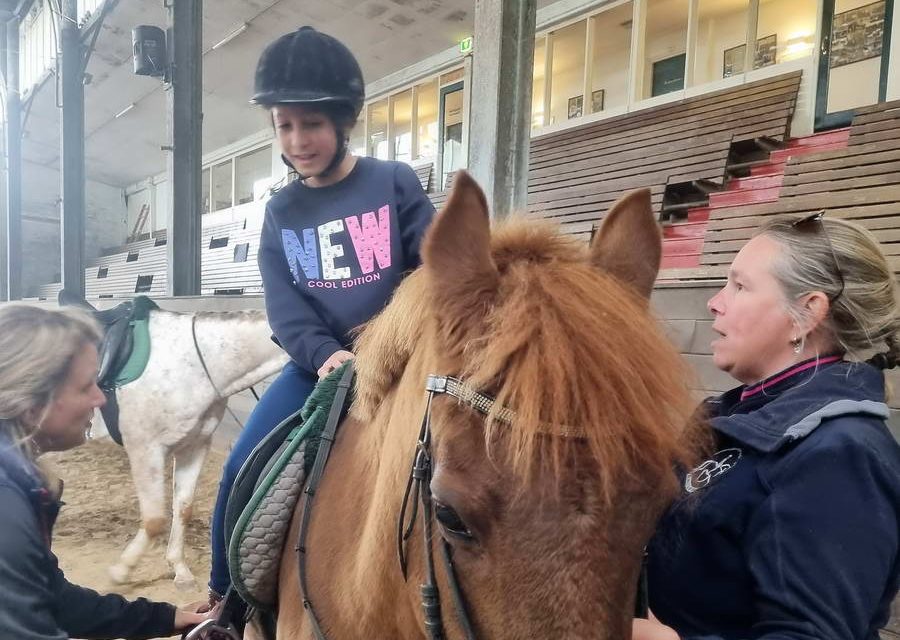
(266, 490)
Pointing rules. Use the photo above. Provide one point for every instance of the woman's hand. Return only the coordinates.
(337, 359)
(187, 618)
(651, 629)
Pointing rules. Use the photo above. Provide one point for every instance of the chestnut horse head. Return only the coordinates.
(547, 498)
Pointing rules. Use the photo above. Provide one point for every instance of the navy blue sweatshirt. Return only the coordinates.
(330, 257)
(790, 531)
(37, 602)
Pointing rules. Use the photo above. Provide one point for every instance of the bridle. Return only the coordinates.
(418, 491)
(417, 494)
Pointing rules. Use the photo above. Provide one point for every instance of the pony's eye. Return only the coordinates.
(451, 522)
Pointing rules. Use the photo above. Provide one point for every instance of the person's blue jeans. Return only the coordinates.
(284, 397)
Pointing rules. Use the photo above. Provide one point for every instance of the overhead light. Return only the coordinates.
(231, 36)
(125, 110)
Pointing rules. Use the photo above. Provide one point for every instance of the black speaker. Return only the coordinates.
(149, 44)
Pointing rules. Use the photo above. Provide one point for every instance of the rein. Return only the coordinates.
(209, 376)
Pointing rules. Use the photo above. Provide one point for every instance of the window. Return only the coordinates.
(240, 251)
(537, 87)
(228, 292)
(401, 125)
(567, 69)
(253, 173)
(784, 31)
(218, 243)
(665, 44)
(721, 40)
(221, 186)
(143, 284)
(160, 242)
(378, 143)
(204, 190)
(102, 272)
(610, 59)
(132, 256)
(358, 138)
(427, 120)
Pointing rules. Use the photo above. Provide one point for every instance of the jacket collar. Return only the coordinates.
(835, 390)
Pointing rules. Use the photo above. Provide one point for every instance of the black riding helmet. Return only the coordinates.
(312, 68)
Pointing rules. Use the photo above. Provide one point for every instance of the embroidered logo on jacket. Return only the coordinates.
(313, 257)
(704, 475)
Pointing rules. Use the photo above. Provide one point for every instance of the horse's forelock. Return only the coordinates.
(563, 345)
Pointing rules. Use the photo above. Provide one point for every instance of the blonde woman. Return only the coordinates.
(48, 393)
(790, 531)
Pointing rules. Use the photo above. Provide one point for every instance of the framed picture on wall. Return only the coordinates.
(598, 97)
(576, 106)
(766, 51)
(733, 60)
(857, 35)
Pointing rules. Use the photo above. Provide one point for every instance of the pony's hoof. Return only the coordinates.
(119, 574)
(185, 582)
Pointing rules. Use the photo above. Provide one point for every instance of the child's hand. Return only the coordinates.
(337, 359)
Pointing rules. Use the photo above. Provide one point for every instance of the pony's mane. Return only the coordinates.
(562, 344)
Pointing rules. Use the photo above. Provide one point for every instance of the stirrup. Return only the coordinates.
(212, 630)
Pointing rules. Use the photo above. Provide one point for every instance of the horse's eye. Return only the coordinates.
(451, 522)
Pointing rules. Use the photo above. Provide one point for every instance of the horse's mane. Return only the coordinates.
(562, 344)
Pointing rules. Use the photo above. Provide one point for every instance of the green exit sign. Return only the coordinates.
(466, 44)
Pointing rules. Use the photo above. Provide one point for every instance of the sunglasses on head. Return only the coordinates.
(813, 224)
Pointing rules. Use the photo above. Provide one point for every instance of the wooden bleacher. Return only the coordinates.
(860, 183)
(576, 174)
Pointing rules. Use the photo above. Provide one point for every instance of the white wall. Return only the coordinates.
(105, 223)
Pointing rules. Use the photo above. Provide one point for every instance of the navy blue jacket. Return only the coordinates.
(36, 600)
(790, 531)
(330, 257)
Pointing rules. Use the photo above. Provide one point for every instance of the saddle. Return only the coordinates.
(123, 352)
(265, 492)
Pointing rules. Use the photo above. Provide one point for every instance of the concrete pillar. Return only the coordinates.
(500, 125)
(893, 77)
(183, 165)
(11, 271)
(72, 203)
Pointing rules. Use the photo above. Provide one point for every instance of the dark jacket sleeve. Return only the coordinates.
(823, 547)
(297, 326)
(414, 213)
(38, 603)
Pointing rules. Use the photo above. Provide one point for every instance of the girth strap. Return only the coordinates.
(335, 416)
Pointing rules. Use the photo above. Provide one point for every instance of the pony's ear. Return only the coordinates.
(456, 255)
(629, 244)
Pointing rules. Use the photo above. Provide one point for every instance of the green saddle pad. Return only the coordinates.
(274, 476)
(134, 367)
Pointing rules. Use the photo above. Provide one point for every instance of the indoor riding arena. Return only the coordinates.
(137, 174)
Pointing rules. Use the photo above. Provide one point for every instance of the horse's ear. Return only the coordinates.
(456, 254)
(629, 244)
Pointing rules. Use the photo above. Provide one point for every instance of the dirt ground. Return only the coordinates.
(100, 516)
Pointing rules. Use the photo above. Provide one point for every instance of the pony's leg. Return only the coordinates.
(147, 469)
(188, 464)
